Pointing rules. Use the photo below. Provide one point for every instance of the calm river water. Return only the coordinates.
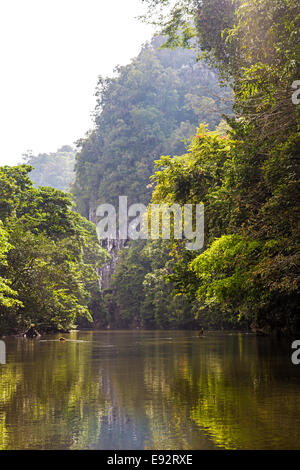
(149, 390)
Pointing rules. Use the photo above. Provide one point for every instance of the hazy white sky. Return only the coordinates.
(51, 54)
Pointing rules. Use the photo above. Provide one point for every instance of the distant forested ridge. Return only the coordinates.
(147, 110)
(54, 169)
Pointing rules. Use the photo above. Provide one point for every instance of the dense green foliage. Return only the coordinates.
(139, 294)
(53, 169)
(244, 169)
(248, 180)
(246, 173)
(48, 257)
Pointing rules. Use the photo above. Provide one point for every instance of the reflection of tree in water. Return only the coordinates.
(118, 429)
(237, 392)
(49, 396)
(149, 391)
(243, 391)
(141, 410)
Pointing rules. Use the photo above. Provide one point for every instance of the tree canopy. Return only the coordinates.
(48, 257)
(248, 179)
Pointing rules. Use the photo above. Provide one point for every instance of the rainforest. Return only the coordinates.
(198, 117)
(187, 339)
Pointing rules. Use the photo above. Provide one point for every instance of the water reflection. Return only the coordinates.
(149, 390)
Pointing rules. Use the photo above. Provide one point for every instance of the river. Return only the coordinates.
(149, 390)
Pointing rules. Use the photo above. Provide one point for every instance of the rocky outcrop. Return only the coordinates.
(113, 247)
